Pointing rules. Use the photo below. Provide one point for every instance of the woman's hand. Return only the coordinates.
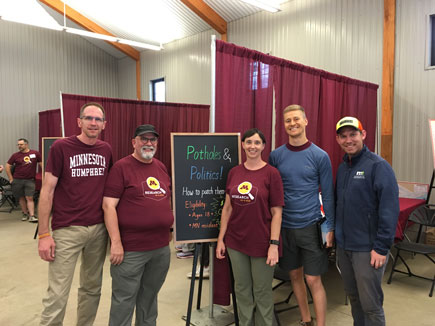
(272, 255)
(220, 249)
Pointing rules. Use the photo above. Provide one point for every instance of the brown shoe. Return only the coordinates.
(306, 323)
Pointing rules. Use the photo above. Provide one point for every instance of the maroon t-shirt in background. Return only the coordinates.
(25, 164)
(252, 193)
(82, 171)
(144, 210)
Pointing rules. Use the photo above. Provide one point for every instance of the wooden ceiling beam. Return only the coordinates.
(86, 23)
(207, 14)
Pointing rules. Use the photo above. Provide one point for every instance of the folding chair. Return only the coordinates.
(7, 196)
(284, 277)
(423, 216)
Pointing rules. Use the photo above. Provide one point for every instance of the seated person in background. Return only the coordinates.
(138, 217)
(250, 228)
(23, 179)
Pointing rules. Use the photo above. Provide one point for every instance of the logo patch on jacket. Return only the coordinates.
(359, 175)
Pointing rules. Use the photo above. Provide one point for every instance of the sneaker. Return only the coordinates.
(178, 248)
(183, 255)
(205, 272)
(33, 219)
(25, 217)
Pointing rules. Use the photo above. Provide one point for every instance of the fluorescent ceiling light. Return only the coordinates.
(270, 6)
(110, 38)
(82, 32)
(140, 44)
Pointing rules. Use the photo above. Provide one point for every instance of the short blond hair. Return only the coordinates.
(295, 107)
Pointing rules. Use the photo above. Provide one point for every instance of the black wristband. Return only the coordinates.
(274, 242)
(171, 229)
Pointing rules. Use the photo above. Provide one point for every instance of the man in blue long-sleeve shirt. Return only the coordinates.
(304, 169)
(366, 217)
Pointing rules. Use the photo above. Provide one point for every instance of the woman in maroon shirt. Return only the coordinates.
(250, 228)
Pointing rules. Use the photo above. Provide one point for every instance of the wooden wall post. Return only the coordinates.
(388, 80)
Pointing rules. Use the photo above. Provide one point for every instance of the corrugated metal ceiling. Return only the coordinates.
(150, 21)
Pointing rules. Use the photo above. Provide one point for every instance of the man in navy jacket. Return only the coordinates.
(367, 209)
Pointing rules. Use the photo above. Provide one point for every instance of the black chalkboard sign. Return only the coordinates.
(200, 166)
(46, 145)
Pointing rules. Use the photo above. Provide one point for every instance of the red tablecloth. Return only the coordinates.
(407, 205)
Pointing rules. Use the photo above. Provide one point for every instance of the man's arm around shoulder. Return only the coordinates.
(46, 245)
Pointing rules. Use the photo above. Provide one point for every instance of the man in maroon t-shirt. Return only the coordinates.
(138, 217)
(22, 179)
(73, 186)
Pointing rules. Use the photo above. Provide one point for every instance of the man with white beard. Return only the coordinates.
(138, 217)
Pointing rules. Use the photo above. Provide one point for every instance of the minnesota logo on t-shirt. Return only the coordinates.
(153, 189)
(244, 193)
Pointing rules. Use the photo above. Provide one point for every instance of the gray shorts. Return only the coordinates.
(301, 247)
(23, 187)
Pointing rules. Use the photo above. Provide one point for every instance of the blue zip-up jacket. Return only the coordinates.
(367, 198)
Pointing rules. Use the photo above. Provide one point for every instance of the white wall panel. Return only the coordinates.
(185, 64)
(414, 100)
(35, 64)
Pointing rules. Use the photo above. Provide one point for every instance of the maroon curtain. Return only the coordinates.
(123, 116)
(296, 84)
(244, 97)
(49, 125)
(244, 91)
(341, 96)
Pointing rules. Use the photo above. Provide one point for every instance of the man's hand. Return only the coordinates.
(116, 253)
(329, 239)
(46, 248)
(377, 260)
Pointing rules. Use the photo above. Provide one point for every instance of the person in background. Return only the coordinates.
(367, 210)
(138, 217)
(1, 168)
(22, 180)
(304, 169)
(73, 186)
(250, 230)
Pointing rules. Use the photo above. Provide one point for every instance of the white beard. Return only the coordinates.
(147, 155)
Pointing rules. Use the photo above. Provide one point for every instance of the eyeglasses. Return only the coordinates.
(89, 119)
(145, 140)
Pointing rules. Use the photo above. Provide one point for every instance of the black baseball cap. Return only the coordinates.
(143, 129)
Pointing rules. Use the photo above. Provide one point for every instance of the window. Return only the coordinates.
(263, 71)
(430, 61)
(158, 90)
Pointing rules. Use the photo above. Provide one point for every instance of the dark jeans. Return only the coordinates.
(362, 284)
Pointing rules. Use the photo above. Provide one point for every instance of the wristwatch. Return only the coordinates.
(274, 242)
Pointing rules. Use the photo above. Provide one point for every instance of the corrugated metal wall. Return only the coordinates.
(414, 98)
(127, 78)
(185, 64)
(35, 64)
(340, 36)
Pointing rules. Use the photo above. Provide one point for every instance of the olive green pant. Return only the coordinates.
(253, 288)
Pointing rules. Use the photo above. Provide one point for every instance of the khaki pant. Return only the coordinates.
(91, 242)
(253, 288)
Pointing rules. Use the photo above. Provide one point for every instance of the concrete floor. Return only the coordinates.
(23, 282)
